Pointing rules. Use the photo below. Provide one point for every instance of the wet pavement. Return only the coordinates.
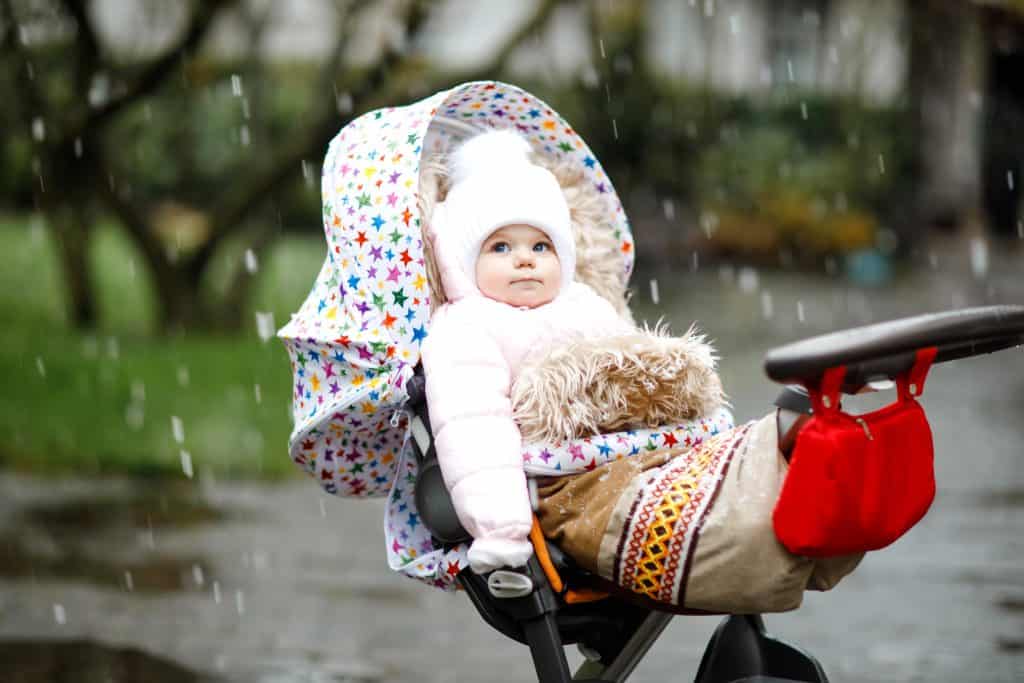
(114, 580)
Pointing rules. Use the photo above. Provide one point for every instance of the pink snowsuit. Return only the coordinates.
(471, 357)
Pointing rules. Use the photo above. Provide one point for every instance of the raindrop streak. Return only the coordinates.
(58, 614)
(265, 325)
(236, 85)
(178, 429)
(979, 257)
(197, 574)
(767, 309)
(803, 110)
(243, 136)
(800, 312)
(216, 592)
(1009, 179)
(251, 264)
(881, 164)
(734, 24)
(307, 173)
(183, 376)
(600, 44)
(654, 292)
(615, 129)
(257, 393)
(669, 207)
(129, 582)
(323, 508)
(40, 366)
(789, 70)
(748, 280)
(239, 602)
(186, 463)
(38, 129)
(78, 148)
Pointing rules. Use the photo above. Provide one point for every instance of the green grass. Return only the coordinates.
(104, 402)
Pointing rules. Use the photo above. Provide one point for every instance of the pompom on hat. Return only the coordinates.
(494, 184)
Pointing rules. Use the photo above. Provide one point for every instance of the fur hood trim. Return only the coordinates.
(590, 386)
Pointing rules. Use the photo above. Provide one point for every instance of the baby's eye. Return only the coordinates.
(500, 247)
(541, 247)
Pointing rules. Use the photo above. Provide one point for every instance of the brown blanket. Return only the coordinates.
(690, 529)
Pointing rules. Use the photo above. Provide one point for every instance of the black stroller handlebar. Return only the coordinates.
(884, 350)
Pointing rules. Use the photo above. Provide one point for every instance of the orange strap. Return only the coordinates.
(540, 548)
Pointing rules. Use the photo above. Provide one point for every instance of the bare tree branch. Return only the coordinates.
(89, 53)
(156, 73)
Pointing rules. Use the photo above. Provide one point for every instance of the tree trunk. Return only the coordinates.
(72, 226)
(946, 68)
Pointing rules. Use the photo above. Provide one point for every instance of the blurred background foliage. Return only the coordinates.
(159, 174)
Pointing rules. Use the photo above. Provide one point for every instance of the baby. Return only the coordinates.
(504, 246)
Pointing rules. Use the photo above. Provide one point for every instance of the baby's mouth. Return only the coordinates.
(526, 280)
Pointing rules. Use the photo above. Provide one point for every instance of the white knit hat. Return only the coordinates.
(494, 184)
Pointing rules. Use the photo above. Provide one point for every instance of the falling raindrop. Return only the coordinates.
(243, 136)
(177, 429)
(1009, 179)
(654, 292)
(59, 615)
(615, 129)
(257, 393)
(183, 375)
(734, 24)
(240, 601)
(186, 464)
(99, 90)
(251, 265)
(344, 102)
(129, 582)
(216, 592)
(265, 325)
(881, 164)
(246, 112)
(669, 208)
(38, 129)
(307, 173)
(800, 311)
(767, 308)
(803, 110)
(695, 261)
(78, 148)
(113, 349)
(1020, 229)
(600, 44)
(138, 390)
(40, 366)
(789, 70)
(709, 8)
(748, 280)
(236, 85)
(709, 223)
(29, 71)
(979, 257)
(833, 54)
(933, 260)
(197, 575)
(135, 416)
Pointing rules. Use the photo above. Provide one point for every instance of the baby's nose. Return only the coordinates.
(524, 257)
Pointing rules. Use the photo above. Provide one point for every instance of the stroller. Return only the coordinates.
(362, 425)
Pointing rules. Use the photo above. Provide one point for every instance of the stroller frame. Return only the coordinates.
(616, 633)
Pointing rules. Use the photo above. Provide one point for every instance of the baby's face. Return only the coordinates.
(518, 266)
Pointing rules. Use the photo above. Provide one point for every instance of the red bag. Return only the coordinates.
(858, 483)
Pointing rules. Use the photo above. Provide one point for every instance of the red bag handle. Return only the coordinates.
(910, 384)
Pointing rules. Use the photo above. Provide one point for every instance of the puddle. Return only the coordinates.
(26, 558)
(1008, 498)
(166, 509)
(27, 661)
(50, 541)
(1013, 604)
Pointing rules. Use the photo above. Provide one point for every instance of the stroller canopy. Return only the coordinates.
(356, 339)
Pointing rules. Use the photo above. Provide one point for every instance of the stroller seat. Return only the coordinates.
(615, 633)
